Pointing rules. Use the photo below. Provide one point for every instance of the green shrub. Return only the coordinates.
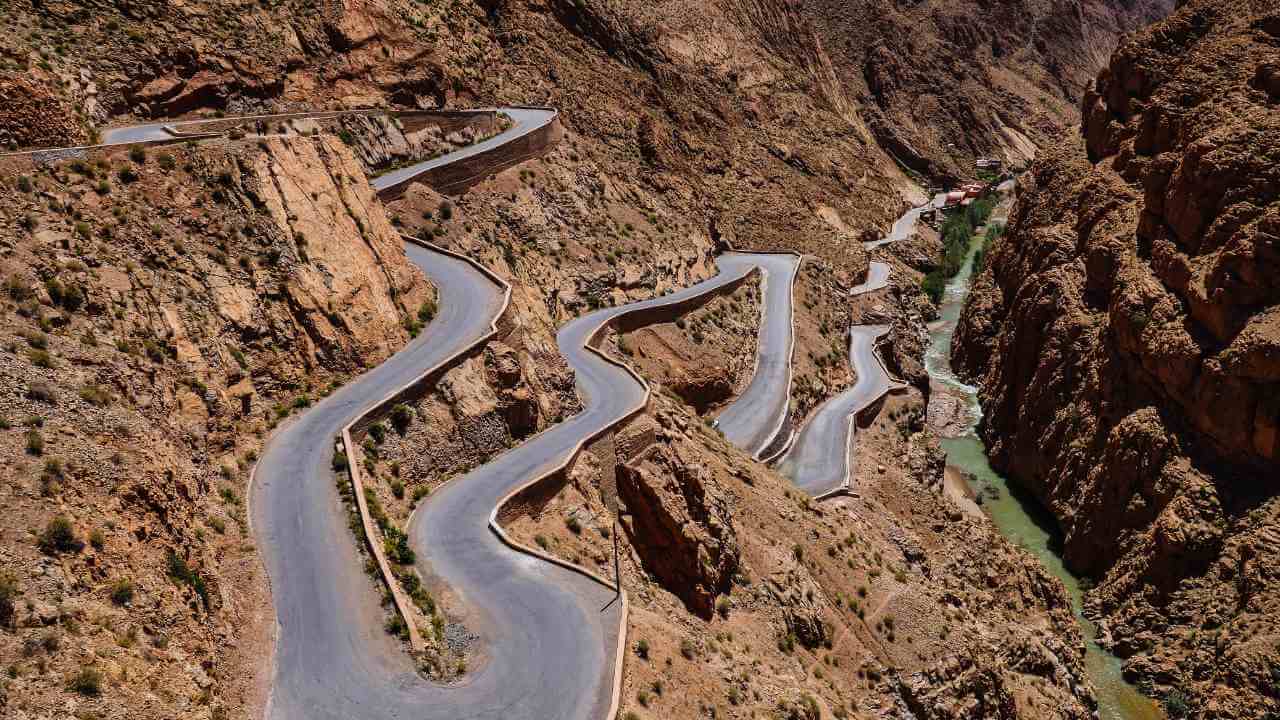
(642, 649)
(24, 184)
(35, 442)
(40, 358)
(427, 311)
(87, 682)
(95, 394)
(994, 232)
(378, 432)
(340, 462)
(60, 537)
(138, 154)
(122, 591)
(396, 545)
(1177, 705)
(687, 649)
(186, 575)
(934, 285)
(395, 626)
(8, 593)
(68, 296)
(401, 417)
(154, 350)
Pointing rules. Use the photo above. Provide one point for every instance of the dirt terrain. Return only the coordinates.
(1125, 339)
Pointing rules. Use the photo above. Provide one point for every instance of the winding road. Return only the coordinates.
(903, 227)
(551, 633)
(757, 416)
(820, 461)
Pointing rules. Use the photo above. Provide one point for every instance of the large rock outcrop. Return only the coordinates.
(680, 523)
(1126, 338)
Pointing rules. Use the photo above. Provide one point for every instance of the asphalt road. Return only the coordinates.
(753, 420)
(877, 277)
(549, 634)
(523, 122)
(903, 226)
(820, 462)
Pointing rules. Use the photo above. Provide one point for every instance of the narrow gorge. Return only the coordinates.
(619, 360)
(1123, 343)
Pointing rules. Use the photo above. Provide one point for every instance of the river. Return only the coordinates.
(1021, 519)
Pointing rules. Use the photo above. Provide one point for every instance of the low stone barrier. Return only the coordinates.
(457, 177)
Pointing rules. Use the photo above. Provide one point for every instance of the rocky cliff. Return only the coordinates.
(1126, 339)
(228, 286)
(941, 83)
(162, 312)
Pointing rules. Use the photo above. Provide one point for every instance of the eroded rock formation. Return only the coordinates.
(1126, 338)
(680, 523)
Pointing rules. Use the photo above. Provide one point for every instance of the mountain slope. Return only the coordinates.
(1126, 335)
(941, 83)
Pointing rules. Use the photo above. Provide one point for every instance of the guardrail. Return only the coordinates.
(594, 338)
(455, 177)
(357, 483)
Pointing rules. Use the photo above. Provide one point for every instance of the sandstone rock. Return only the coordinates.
(1125, 341)
(32, 115)
(800, 610)
(680, 525)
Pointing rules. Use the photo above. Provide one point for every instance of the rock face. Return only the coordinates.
(940, 83)
(680, 524)
(1126, 337)
(32, 116)
(315, 194)
(195, 298)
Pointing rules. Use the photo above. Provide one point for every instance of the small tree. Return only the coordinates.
(401, 417)
(59, 537)
(122, 591)
(87, 682)
(722, 606)
(1177, 705)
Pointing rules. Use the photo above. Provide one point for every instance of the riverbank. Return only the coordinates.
(1017, 517)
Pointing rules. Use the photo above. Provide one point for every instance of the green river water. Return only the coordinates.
(1020, 519)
